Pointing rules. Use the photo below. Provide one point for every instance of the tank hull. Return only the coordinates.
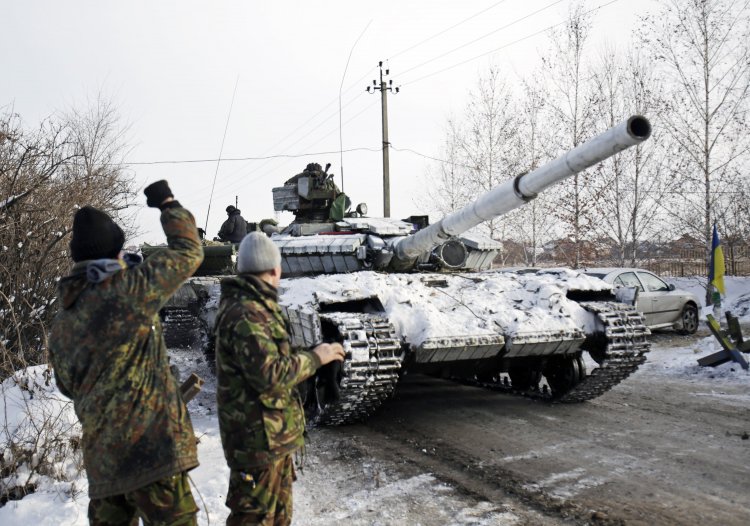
(531, 333)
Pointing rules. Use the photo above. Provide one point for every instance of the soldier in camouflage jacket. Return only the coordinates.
(260, 413)
(109, 357)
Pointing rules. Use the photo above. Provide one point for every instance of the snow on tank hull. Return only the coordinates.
(497, 329)
(519, 332)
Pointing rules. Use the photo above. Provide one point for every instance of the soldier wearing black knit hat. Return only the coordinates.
(109, 357)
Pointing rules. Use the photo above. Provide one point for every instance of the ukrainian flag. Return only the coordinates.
(716, 270)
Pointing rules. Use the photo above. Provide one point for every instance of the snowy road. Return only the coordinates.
(665, 447)
(668, 446)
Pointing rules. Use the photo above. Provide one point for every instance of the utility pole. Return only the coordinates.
(384, 89)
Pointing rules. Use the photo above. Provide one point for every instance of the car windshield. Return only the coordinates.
(599, 275)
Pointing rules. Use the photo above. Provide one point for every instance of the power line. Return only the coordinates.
(504, 46)
(409, 150)
(244, 183)
(301, 126)
(304, 124)
(313, 117)
(525, 17)
(447, 29)
(233, 159)
(231, 178)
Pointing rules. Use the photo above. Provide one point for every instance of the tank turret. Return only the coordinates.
(392, 245)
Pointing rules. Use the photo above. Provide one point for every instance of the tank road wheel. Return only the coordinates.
(563, 373)
(689, 318)
(524, 378)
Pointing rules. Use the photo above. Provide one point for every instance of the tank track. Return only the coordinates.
(625, 350)
(374, 354)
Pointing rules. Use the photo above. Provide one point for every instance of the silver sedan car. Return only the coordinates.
(663, 305)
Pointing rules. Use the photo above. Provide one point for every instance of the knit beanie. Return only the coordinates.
(257, 253)
(95, 235)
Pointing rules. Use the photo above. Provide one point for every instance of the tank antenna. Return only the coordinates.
(341, 139)
(221, 151)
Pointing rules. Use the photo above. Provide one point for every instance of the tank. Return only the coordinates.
(406, 296)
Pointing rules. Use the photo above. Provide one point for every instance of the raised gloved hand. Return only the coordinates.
(157, 193)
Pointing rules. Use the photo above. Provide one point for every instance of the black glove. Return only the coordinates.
(156, 193)
(330, 375)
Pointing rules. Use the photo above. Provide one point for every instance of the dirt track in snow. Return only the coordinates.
(654, 450)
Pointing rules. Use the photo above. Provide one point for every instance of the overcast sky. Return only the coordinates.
(171, 68)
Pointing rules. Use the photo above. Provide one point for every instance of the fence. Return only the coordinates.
(693, 263)
(680, 263)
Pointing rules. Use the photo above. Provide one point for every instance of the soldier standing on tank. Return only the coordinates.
(260, 413)
(234, 228)
(109, 357)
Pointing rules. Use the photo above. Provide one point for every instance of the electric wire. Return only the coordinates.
(200, 495)
(463, 62)
(353, 85)
(506, 26)
(312, 118)
(446, 30)
(221, 150)
(505, 45)
(232, 178)
(341, 137)
(259, 158)
(244, 182)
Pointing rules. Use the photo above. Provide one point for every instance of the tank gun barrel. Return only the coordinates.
(514, 193)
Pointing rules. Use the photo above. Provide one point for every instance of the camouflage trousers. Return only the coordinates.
(167, 502)
(262, 495)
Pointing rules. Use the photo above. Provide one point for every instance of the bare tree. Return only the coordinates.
(703, 48)
(535, 222)
(45, 175)
(481, 151)
(632, 184)
(572, 110)
(447, 187)
(488, 145)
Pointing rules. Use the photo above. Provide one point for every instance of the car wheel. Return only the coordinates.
(689, 320)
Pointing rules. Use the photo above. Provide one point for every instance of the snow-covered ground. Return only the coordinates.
(339, 483)
(341, 479)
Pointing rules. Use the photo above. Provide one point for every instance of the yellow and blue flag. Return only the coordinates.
(716, 270)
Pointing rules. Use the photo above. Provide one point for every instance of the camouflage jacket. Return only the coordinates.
(260, 413)
(109, 357)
